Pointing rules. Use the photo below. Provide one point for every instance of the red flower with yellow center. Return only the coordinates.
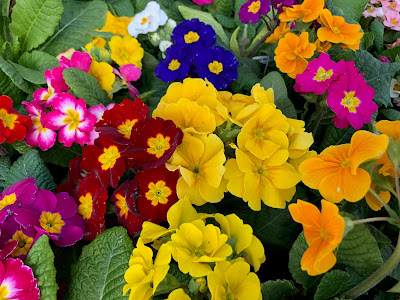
(13, 125)
(124, 199)
(152, 142)
(157, 193)
(92, 205)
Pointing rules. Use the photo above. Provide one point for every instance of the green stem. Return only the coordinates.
(258, 45)
(368, 220)
(317, 121)
(377, 276)
(396, 178)
(390, 211)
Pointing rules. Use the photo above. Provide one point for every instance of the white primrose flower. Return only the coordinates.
(394, 88)
(164, 45)
(147, 20)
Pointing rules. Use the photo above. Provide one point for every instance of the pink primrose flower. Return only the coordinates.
(393, 5)
(372, 11)
(80, 60)
(129, 73)
(98, 112)
(392, 20)
(202, 2)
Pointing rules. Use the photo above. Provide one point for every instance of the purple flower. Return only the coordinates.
(280, 4)
(251, 11)
(384, 59)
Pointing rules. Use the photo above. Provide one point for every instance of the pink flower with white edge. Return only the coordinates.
(350, 98)
(39, 134)
(98, 111)
(391, 6)
(72, 118)
(129, 73)
(373, 12)
(392, 20)
(17, 281)
(80, 60)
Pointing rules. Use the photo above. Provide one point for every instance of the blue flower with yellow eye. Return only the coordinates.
(216, 64)
(176, 64)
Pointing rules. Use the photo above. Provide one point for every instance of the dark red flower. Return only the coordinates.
(74, 176)
(157, 193)
(124, 199)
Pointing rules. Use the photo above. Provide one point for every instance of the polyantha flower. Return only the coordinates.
(21, 193)
(299, 141)
(157, 193)
(393, 5)
(148, 20)
(193, 34)
(179, 294)
(336, 30)
(13, 125)
(129, 73)
(272, 180)
(200, 162)
(394, 88)
(280, 4)
(278, 33)
(251, 11)
(58, 218)
(319, 74)
(392, 20)
(143, 275)
(106, 160)
(71, 117)
(24, 243)
(233, 281)
(80, 60)
(126, 50)
(175, 66)
(323, 231)
(351, 99)
(322, 47)
(39, 134)
(152, 142)
(216, 64)
(104, 74)
(291, 53)
(189, 116)
(265, 133)
(116, 25)
(91, 199)
(373, 202)
(307, 11)
(335, 171)
(372, 11)
(194, 245)
(17, 281)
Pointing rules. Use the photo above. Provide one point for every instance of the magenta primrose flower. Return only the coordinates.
(350, 98)
(72, 118)
(251, 11)
(80, 60)
(129, 73)
(202, 2)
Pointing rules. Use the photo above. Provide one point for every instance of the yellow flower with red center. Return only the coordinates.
(291, 53)
(24, 243)
(278, 33)
(323, 232)
(103, 72)
(307, 11)
(126, 50)
(51, 222)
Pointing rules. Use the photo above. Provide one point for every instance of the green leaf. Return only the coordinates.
(35, 20)
(277, 289)
(335, 136)
(367, 40)
(377, 29)
(123, 8)
(395, 289)
(99, 272)
(21, 147)
(41, 259)
(7, 87)
(16, 78)
(223, 6)
(224, 20)
(391, 114)
(37, 60)
(275, 81)
(85, 86)
(60, 155)
(190, 13)
(391, 53)
(181, 277)
(31, 165)
(36, 77)
(249, 73)
(5, 164)
(352, 9)
(78, 20)
(234, 43)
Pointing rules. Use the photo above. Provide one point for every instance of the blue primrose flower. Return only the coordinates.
(216, 64)
(175, 66)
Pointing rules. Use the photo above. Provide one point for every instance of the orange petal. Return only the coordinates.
(315, 169)
(373, 202)
(390, 128)
(318, 258)
(305, 213)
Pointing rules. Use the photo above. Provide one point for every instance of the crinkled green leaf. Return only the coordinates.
(15, 77)
(99, 272)
(33, 76)
(367, 40)
(224, 20)
(122, 8)
(224, 6)
(7, 51)
(190, 13)
(377, 29)
(335, 136)
(249, 73)
(38, 60)
(21, 147)
(395, 289)
(391, 53)
(85, 86)
(60, 155)
(35, 20)
(5, 164)
(7, 87)
(391, 114)
(353, 9)
(31, 165)
(277, 289)
(182, 278)
(41, 259)
(332, 284)
(78, 20)
(275, 81)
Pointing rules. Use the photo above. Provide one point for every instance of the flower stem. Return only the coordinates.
(258, 45)
(396, 178)
(368, 220)
(317, 121)
(377, 276)
(3, 151)
(390, 211)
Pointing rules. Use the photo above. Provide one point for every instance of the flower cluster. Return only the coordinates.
(201, 250)
(386, 11)
(193, 53)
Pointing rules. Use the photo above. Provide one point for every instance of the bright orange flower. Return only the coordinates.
(308, 11)
(291, 53)
(322, 47)
(279, 33)
(373, 202)
(335, 171)
(323, 232)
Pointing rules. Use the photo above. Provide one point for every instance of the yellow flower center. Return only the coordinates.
(322, 75)
(158, 145)
(336, 30)
(36, 122)
(370, 10)
(196, 170)
(346, 163)
(323, 233)
(8, 200)
(51, 222)
(3, 292)
(9, 120)
(158, 192)
(109, 157)
(174, 65)
(396, 87)
(86, 207)
(258, 133)
(24, 243)
(350, 101)
(49, 94)
(144, 20)
(215, 67)
(126, 128)
(72, 119)
(121, 203)
(254, 7)
(191, 37)
(261, 171)
(392, 5)
(394, 21)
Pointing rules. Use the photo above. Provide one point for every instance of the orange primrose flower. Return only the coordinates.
(278, 33)
(308, 11)
(322, 47)
(323, 232)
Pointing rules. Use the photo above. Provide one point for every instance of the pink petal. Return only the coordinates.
(81, 138)
(64, 102)
(80, 107)
(46, 139)
(81, 60)
(130, 72)
(87, 124)
(55, 120)
(67, 137)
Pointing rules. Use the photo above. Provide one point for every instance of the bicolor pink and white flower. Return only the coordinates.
(373, 11)
(392, 20)
(393, 5)
(129, 73)
(72, 118)
(80, 60)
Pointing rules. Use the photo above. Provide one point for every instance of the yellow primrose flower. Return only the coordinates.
(265, 133)
(116, 25)
(299, 141)
(233, 281)
(103, 72)
(189, 116)
(126, 50)
(200, 161)
(194, 245)
(143, 276)
(178, 294)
